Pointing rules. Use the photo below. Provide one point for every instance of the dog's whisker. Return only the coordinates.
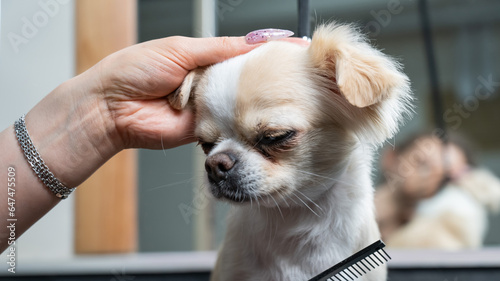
(392, 144)
(318, 181)
(288, 195)
(162, 146)
(284, 199)
(257, 200)
(310, 209)
(279, 209)
(253, 146)
(324, 177)
(188, 136)
(310, 200)
(315, 180)
(170, 184)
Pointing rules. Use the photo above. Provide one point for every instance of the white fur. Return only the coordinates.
(222, 100)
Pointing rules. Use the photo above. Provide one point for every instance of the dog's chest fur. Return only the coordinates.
(293, 244)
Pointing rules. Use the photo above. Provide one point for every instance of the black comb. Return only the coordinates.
(356, 265)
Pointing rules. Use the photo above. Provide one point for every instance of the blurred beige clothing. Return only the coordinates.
(455, 218)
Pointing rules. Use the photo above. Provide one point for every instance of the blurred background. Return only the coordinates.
(40, 47)
(466, 40)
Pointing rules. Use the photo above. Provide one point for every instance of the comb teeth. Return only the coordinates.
(356, 265)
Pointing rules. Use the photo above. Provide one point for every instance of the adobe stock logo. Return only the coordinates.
(484, 90)
(31, 26)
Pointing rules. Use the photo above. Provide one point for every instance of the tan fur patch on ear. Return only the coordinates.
(362, 79)
(364, 75)
(180, 97)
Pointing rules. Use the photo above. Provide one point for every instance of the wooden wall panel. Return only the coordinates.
(106, 204)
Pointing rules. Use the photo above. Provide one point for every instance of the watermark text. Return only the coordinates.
(11, 220)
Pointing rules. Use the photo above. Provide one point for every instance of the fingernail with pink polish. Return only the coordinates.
(265, 35)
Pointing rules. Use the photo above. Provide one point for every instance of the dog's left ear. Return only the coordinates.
(375, 91)
(364, 75)
(180, 97)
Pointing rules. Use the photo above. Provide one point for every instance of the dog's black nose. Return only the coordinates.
(219, 165)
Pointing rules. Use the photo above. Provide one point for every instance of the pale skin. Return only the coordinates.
(117, 104)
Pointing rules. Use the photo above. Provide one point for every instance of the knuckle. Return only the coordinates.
(226, 42)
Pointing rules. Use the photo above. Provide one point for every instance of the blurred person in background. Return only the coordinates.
(434, 195)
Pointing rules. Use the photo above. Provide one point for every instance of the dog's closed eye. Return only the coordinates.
(275, 141)
(276, 138)
(206, 146)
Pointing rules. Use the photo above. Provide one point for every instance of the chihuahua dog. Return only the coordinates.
(289, 132)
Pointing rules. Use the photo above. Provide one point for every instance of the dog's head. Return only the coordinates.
(283, 118)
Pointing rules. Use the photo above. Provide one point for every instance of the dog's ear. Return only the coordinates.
(364, 75)
(180, 97)
(374, 92)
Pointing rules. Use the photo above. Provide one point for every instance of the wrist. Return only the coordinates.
(72, 131)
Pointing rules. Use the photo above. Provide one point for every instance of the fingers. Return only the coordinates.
(191, 53)
(207, 51)
(216, 49)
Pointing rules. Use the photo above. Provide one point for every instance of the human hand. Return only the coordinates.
(133, 84)
(121, 103)
(118, 103)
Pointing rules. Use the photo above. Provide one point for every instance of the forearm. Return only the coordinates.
(73, 137)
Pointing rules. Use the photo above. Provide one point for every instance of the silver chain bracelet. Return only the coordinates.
(37, 163)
